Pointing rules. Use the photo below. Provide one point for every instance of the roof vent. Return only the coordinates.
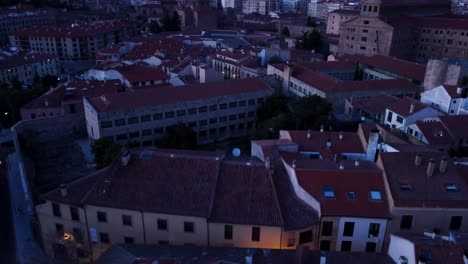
(443, 165)
(63, 190)
(411, 109)
(341, 135)
(341, 166)
(308, 134)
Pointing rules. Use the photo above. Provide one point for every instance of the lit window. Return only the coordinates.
(328, 192)
(451, 188)
(375, 196)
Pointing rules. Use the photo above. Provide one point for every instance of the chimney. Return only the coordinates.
(341, 166)
(125, 157)
(418, 159)
(443, 165)
(372, 145)
(267, 162)
(431, 168)
(321, 128)
(308, 134)
(341, 135)
(63, 190)
(411, 109)
(356, 163)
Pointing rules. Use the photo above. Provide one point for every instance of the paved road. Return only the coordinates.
(7, 243)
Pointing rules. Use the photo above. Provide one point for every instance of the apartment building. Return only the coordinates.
(213, 110)
(234, 65)
(393, 27)
(68, 98)
(425, 192)
(405, 112)
(183, 198)
(255, 6)
(72, 42)
(24, 65)
(336, 84)
(337, 17)
(326, 7)
(449, 99)
(10, 22)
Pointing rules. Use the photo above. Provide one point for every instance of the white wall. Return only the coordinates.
(437, 98)
(401, 247)
(361, 230)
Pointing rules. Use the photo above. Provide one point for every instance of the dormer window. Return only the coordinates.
(405, 187)
(375, 195)
(451, 188)
(328, 192)
(352, 195)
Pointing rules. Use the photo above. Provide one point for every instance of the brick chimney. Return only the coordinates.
(431, 166)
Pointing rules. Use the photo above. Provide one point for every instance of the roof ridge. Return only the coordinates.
(274, 154)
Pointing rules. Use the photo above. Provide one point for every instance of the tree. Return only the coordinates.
(179, 136)
(269, 129)
(154, 27)
(310, 40)
(310, 112)
(104, 151)
(285, 32)
(273, 106)
(310, 22)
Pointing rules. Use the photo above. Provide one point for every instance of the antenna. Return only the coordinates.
(236, 152)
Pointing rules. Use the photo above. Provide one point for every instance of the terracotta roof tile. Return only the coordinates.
(403, 106)
(23, 58)
(453, 124)
(435, 133)
(375, 105)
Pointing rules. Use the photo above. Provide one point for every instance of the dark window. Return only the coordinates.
(348, 229)
(119, 122)
(78, 234)
(366, 22)
(251, 114)
(56, 210)
(59, 229)
(102, 217)
(456, 222)
(106, 124)
(104, 238)
(223, 106)
(390, 116)
(158, 130)
(223, 119)
(232, 104)
(162, 224)
(260, 100)
(242, 103)
(364, 39)
(305, 237)
(228, 232)
(202, 122)
(371, 247)
(192, 124)
(33, 116)
(346, 245)
(241, 116)
(399, 119)
(202, 109)
(180, 112)
(145, 118)
(132, 120)
(374, 230)
(213, 107)
(146, 132)
(251, 102)
(325, 245)
(169, 114)
(255, 233)
(127, 220)
(157, 116)
(406, 222)
(129, 240)
(189, 227)
(327, 228)
(74, 214)
(81, 253)
(134, 134)
(232, 117)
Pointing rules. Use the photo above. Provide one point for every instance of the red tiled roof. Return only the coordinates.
(361, 180)
(23, 58)
(141, 73)
(150, 47)
(452, 91)
(171, 95)
(403, 106)
(375, 105)
(245, 195)
(425, 191)
(390, 64)
(453, 124)
(435, 133)
(73, 30)
(317, 141)
(414, 2)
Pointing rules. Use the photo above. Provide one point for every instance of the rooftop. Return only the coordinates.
(11, 60)
(406, 107)
(374, 105)
(435, 133)
(142, 73)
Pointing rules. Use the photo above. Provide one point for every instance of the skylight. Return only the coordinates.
(405, 186)
(451, 188)
(352, 195)
(328, 192)
(375, 196)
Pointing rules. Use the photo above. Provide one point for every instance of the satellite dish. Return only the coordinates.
(236, 152)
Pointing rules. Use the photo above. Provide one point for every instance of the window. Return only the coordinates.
(228, 232)
(352, 195)
(346, 245)
(399, 119)
(59, 229)
(371, 247)
(366, 22)
(251, 114)
(127, 220)
(325, 245)
(223, 106)
(119, 122)
(451, 188)
(146, 132)
(106, 124)
(157, 116)
(162, 224)
(389, 116)
(251, 102)
(364, 39)
(362, 48)
(255, 233)
(223, 119)
(102, 217)
(327, 228)
(405, 187)
(213, 107)
(348, 229)
(202, 109)
(189, 227)
(260, 100)
(242, 103)
(145, 118)
(406, 222)
(163, 242)
(134, 134)
(375, 195)
(180, 112)
(56, 210)
(232, 117)
(213, 120)
(104, 238)
(305, 237)
(77, 234)
(202, 122)
(169, 114)
(158, 130)
(74, 214)
(132, 120)
(232, 104)
(328, 192)
(456, 222)
(192, 111)
(374, 230)
(129, 240)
